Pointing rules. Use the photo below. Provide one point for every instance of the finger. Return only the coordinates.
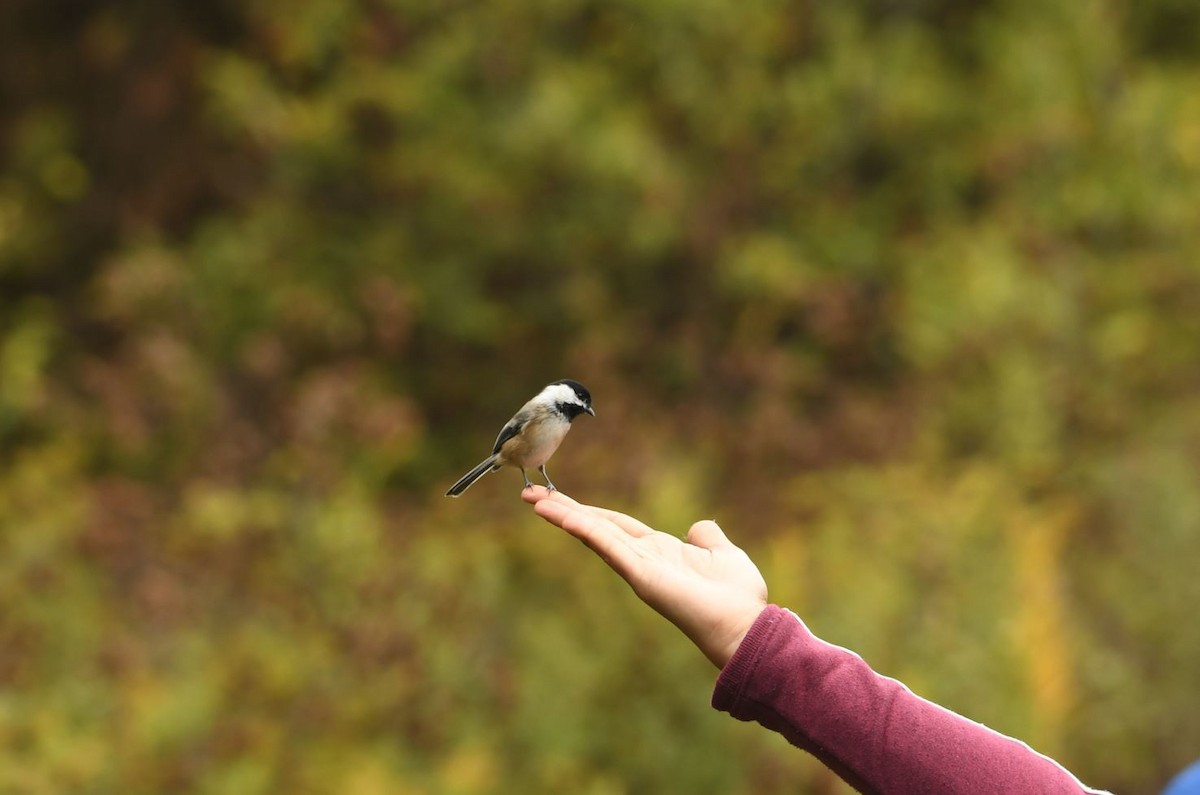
(561, 514)
(535, 494)
(602, 536)
(632, 526)
(707, 534)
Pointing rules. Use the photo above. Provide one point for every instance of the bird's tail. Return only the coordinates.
(482, 468)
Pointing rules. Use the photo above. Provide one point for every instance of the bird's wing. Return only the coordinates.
(511, 429)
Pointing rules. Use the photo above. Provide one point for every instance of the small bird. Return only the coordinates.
(533, 434)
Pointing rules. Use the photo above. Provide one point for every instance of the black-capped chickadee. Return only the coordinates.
(533, 434)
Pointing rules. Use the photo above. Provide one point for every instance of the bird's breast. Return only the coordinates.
(534, 445)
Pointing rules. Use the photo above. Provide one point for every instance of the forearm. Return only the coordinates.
(871, 730)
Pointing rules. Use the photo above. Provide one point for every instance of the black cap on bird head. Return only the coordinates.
(582, 402)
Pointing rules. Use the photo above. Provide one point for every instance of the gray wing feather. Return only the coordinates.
(511, 429)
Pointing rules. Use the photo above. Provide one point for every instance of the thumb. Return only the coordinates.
(707, 534)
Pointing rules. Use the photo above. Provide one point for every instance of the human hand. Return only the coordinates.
(705, 585)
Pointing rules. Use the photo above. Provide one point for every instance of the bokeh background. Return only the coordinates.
(905, 293)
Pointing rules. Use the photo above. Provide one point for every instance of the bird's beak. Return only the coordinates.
(590, 410)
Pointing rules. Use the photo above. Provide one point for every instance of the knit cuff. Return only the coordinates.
(737, 672)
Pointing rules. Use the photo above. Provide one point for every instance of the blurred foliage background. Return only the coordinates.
(905, 293)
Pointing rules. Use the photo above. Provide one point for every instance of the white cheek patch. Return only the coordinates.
(561, 393)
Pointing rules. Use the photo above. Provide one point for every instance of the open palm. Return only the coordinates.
(705, 585)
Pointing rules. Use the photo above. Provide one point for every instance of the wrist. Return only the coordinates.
(730, 640)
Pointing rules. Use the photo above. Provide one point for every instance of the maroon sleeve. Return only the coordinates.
(869, 729)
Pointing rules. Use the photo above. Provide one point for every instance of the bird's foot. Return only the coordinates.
(549, 483)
